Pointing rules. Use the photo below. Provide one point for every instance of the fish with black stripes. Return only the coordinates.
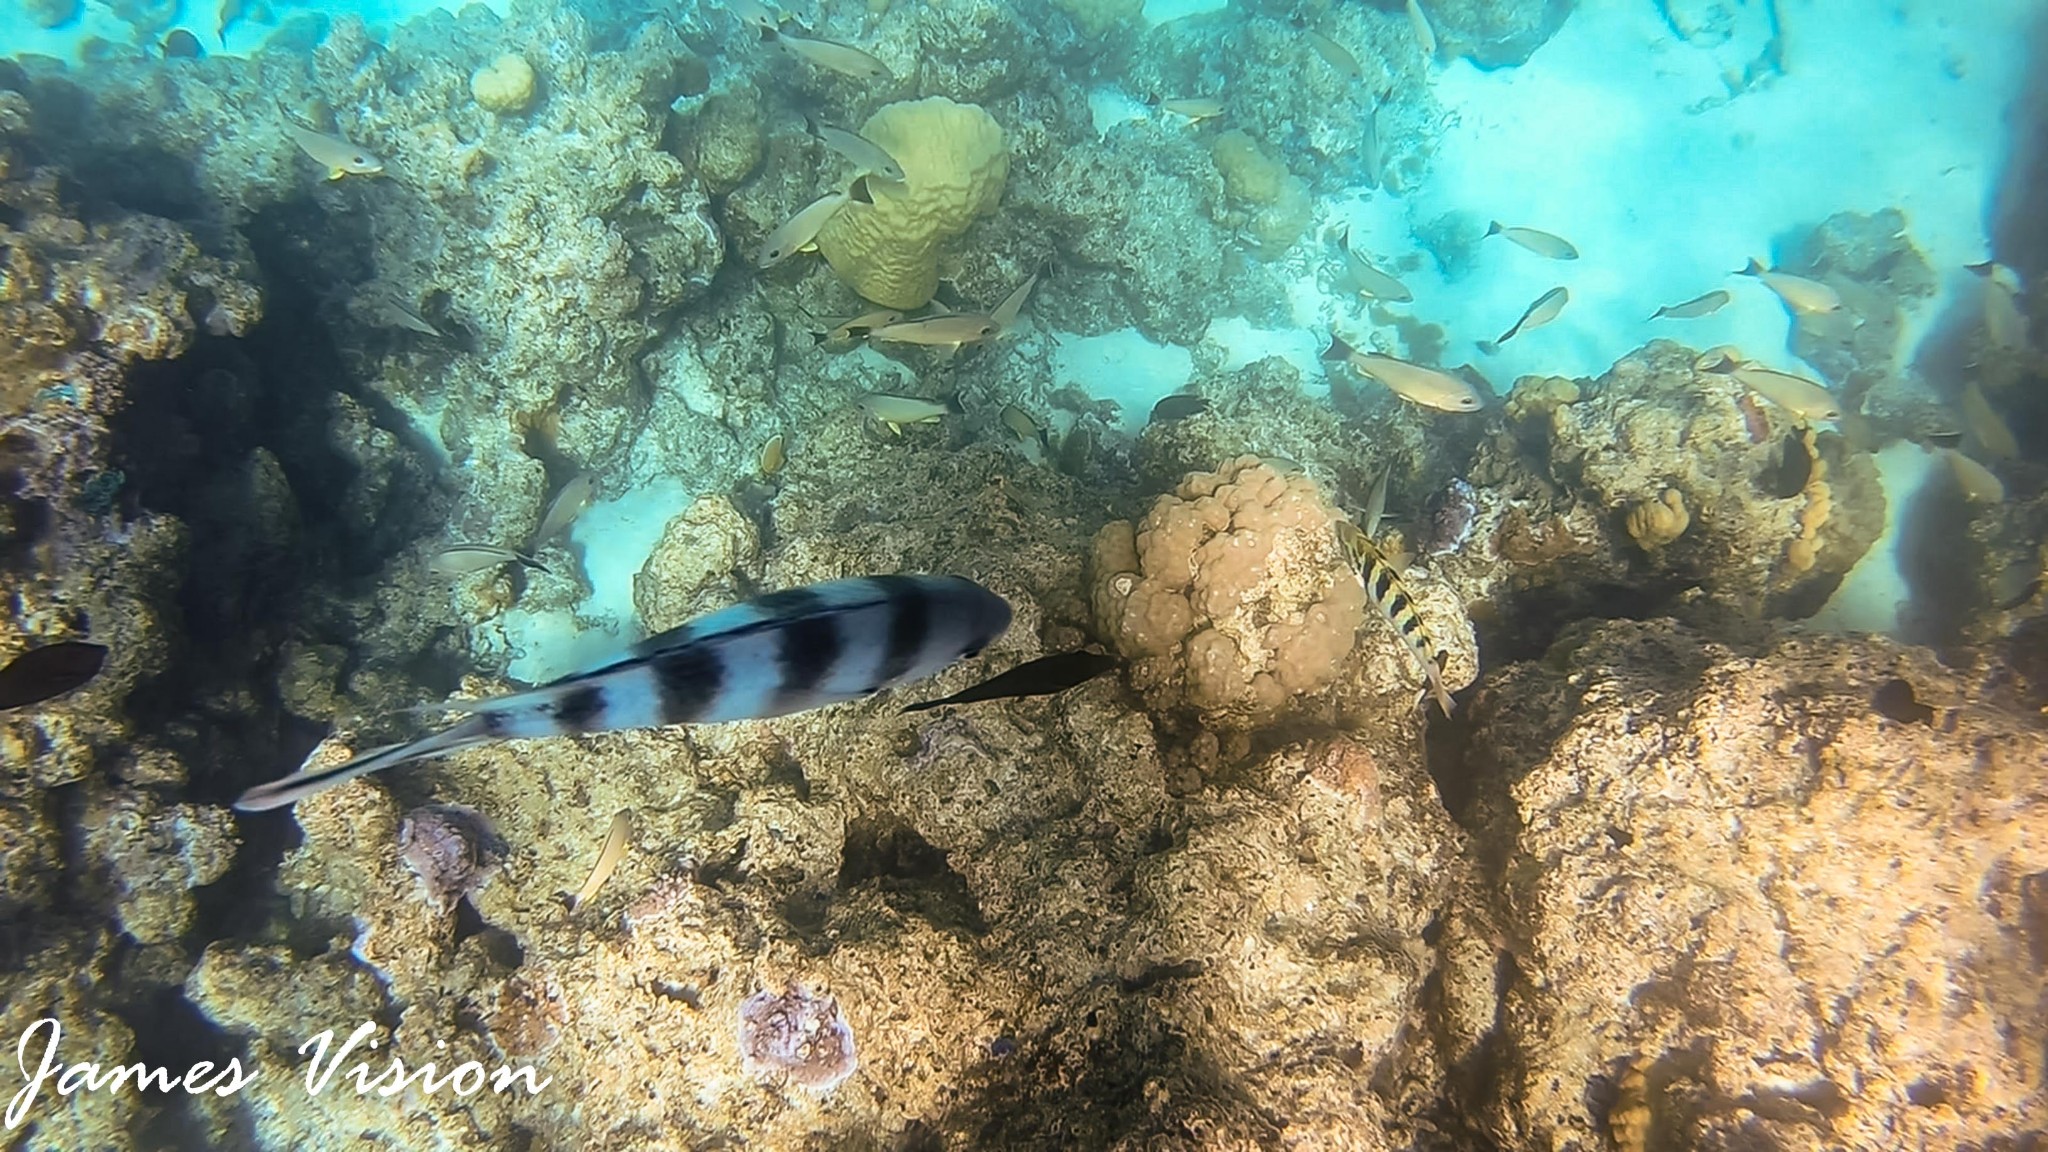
(785, 652)
(1384, 588)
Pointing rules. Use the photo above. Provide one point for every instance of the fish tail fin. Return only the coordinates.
(858, 191)
(307, 782)
(1753, 268)
(818, 338)
(1494, 228)
(952, 403)
(1338, 349)
(1436, 689)
(1491, 347)
(768, 35)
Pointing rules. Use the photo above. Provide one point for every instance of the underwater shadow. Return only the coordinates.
(2019, 207)
(1938, 562)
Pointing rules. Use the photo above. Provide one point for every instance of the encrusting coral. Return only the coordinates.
(954, 161)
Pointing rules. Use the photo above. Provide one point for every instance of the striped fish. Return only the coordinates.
(1388, 594)
(786, 652)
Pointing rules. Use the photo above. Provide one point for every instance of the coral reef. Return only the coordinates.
(1774, 514)
(955, 161)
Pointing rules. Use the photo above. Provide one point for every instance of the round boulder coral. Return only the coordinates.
(504, 86)
(1230, 596)
(954, 162)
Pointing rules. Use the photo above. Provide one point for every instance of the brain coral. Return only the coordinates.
(954, 163)
(1229, 596)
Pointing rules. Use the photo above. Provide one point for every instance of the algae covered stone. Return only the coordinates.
(955, 162)
(505, 85)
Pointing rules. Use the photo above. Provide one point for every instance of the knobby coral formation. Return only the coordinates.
(1230, 596)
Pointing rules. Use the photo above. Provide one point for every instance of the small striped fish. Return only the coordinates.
(785, 652)
(1388, 594)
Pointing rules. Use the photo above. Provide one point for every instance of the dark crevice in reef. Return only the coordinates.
(911, 875)
(1524, 624)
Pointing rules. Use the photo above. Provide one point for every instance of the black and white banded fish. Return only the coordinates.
(785, 652)
(1391, 597)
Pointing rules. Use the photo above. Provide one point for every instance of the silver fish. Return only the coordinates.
(1548, 245)
(463, 559)
(786, 652)
(1376, 501)
(1543, 311)
(1705, 304)
(866, 155)
(564, 508)
(844, 59)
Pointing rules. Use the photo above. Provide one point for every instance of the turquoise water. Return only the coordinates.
(1550, 495)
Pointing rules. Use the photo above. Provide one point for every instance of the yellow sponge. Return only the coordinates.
(954, 163)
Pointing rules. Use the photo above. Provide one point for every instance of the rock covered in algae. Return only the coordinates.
(690, 572)
(1733, 869)
(798, 1034)
(1277, 202)
(451, 849)
(954, 161)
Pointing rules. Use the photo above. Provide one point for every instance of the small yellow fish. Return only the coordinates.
(1798, 292)
(1429, 387)
(1542, 312)
(1979, 484)
(1803, 398)
(338, 156)
(896, 411)
(1370, 281)
(1384, 588)
(1424, 34)
(1025, 426)
(616, 842)
(866, 155)
(1334, 54)
(1705, 304)
(1194, 107)
(1006, 313)
(799, 233)
(951, 330)
(773, 455)
(856, 328)
(830, 55)
(1544, 244)
(1986, 426)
